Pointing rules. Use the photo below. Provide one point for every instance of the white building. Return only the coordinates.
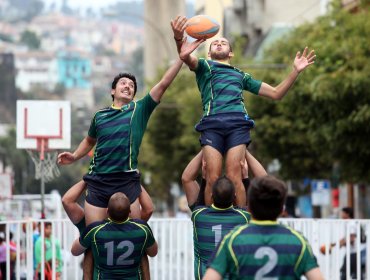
(36, 69)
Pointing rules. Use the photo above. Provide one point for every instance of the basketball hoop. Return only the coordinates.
(44, 127)
(45, 161)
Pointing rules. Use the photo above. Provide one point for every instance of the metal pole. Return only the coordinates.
(42, 179)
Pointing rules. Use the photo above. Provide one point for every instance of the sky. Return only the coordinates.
(96, 4)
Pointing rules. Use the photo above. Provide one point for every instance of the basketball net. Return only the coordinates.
(43, 155)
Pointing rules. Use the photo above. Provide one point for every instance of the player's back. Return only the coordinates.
(268, 249)
(118, 248)
(210, 225)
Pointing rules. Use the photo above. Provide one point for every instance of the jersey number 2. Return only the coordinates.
(269, 266)
(122, 259)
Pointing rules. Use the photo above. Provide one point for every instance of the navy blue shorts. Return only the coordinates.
(225, 131)
(100, 187)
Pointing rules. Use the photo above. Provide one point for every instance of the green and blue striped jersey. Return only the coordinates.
(221, 87)
(119, 132)
(117, 247)
(210, 225)
(263, 250)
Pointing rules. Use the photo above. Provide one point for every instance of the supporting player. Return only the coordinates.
(225, 125)
(264, 249)
(195, 192)
(211, 223)
(77, 215)
(118, 243)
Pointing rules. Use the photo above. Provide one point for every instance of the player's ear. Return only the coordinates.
(112, 91)
(231, 54)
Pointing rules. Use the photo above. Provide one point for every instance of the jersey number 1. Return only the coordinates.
(218, 233)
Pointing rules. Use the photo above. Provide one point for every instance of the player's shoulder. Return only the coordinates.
(199, 207)
(236, 232)
(92, 227)
(199, 211)
(295, 234)
(243, 212)
(139, 223)
(103, 110)
(146, 100)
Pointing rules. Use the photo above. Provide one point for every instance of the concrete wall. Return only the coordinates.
(159, 45)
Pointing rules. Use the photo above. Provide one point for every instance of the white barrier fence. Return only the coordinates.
(175, 239)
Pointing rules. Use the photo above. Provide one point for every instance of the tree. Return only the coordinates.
(325, 117)
(30, 39)
(171, 141)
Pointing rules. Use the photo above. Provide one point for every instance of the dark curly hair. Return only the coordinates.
(124, 75)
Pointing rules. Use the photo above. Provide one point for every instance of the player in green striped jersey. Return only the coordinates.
(77, 215)
(211, 223)
(264, 249)
(117, 132)
(225, 125)
(118, 243)
(212, 216)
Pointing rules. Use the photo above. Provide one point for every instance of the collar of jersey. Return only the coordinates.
(116, 222)
(124, 107)
(264, 223)
(225, 63)
(214, 207)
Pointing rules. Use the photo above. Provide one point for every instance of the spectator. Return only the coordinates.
(347, 214)
(48, 252)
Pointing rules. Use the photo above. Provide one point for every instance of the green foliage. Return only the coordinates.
(17, 159)
(325, 116)
(171, 141)
(30, 39)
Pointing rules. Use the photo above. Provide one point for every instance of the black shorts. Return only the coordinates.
(100, 187)
(225, 131)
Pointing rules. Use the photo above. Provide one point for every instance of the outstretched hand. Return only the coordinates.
(66, 158)
(178, 27)
(302, 61)
(187, 48)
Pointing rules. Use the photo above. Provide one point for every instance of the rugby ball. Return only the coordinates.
(202, 27)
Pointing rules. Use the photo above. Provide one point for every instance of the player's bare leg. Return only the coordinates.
(233, 171)
(213, 162)
(88, 265)
(92, 214)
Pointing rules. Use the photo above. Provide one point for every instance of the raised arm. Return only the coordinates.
(189, 176)
(146, 204)
(158, 90)
(69, 200)
(183, 47)
(85, 146)
(254, 165)
(301, 62)
(77, 249)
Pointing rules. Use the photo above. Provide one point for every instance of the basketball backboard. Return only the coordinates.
(6, 185)
(43, 119)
